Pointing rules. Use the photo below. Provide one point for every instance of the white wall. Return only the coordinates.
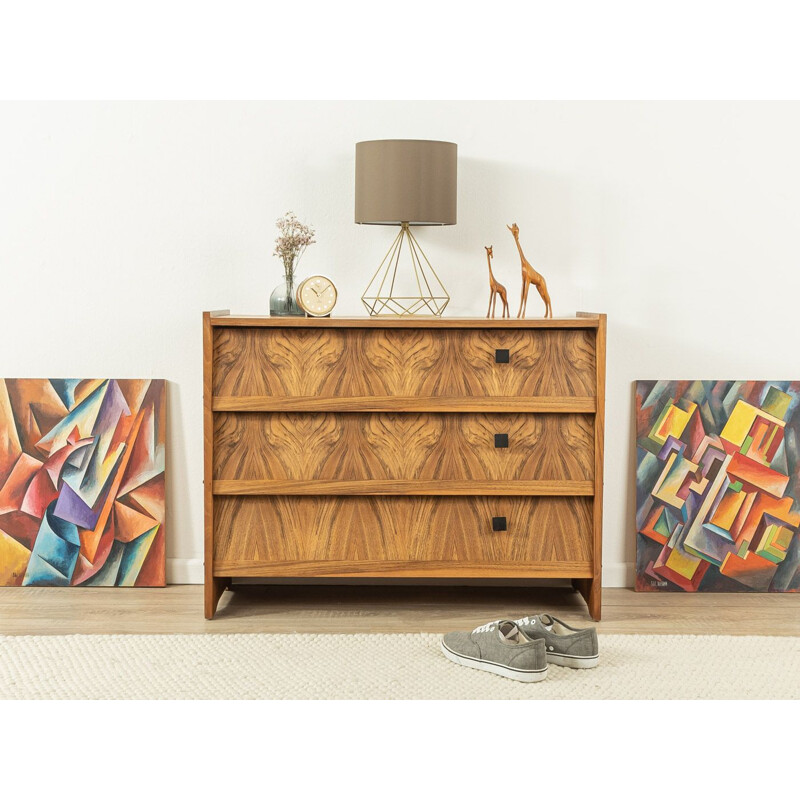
(121, 222)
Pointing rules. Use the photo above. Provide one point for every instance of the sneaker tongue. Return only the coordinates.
(546, 619)
(508, 630)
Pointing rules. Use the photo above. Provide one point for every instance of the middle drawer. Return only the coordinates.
(383, 446)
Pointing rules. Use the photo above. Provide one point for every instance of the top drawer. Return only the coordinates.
(394, 362)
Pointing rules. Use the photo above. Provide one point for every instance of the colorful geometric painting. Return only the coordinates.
(717, 486)
(82, 482)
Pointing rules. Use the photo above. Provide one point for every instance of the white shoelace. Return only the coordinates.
(490, 625)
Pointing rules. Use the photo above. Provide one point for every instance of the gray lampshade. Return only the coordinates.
(406, 180)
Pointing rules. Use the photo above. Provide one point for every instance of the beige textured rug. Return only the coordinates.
(382, 666)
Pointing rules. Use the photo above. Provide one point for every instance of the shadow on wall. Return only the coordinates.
(630, 484)
(343, 252)
(177, 474)
(492, 195)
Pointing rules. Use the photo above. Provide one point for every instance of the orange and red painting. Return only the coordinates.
(718, 486)
(82, 489)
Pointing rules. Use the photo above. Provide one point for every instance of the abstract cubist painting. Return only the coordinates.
(82, 482)
(717, 486)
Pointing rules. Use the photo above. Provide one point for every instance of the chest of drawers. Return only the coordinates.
(403, 448)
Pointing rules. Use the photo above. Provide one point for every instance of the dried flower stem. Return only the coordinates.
(292, 242)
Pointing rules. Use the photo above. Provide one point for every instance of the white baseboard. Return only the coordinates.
(190, 570)
(184, 570)
(621, 574)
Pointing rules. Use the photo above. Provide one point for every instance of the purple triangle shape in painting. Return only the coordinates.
(71, 508)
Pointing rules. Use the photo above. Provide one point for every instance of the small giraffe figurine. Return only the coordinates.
(496, 288)
(530, 276)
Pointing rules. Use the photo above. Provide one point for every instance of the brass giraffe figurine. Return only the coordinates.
(496, 288)
(530, 276)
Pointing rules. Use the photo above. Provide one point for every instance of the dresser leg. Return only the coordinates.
(591, 592)
(214, 587)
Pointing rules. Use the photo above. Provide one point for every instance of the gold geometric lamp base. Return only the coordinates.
(420, 293)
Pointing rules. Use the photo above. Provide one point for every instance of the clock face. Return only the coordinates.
(317, 296)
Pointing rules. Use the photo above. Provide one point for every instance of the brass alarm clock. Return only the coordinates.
(317, 296)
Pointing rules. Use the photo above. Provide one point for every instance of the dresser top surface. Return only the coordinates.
(226, 319)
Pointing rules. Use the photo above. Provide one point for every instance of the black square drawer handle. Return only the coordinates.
(501, 440)
(501, 356)
(499, 524)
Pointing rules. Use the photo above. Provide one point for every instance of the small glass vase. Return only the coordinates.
(282, 301)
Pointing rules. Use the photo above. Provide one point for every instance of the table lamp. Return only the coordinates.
(405, 182)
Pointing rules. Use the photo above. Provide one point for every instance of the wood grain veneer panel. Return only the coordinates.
(390, 362)
(213, 586)
(427, 447)
(401, 529)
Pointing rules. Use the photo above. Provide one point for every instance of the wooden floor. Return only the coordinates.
(369, 609)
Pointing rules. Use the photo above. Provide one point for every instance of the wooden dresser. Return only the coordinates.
(403, 448)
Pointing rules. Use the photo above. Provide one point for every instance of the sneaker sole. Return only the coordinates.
(574, 662)
(526, 676)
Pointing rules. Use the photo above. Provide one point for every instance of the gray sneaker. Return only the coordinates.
(504, 650)
(565, 645)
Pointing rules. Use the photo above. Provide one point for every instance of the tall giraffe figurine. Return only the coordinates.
(530, 276)
(496, 288)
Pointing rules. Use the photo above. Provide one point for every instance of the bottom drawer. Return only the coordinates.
(458, 536)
